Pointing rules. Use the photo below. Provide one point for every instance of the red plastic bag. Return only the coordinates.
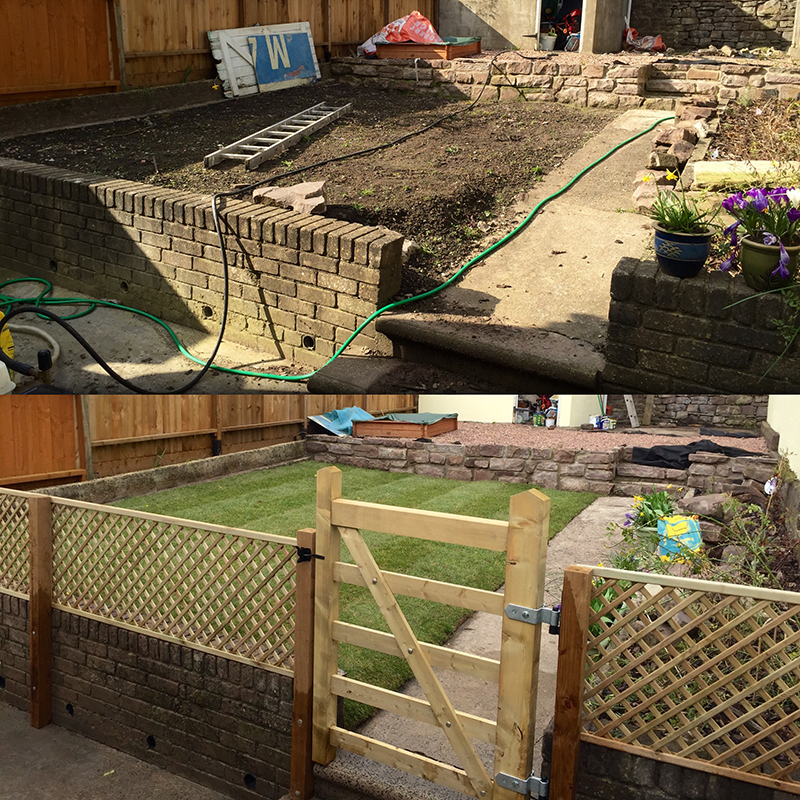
(412, 28)
(644, 44)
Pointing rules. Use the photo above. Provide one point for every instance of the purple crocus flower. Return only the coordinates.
(731, 231)
(770, 238)
(727, 265)
(760, 199)
(734, 201)
(779, 195)
(793, 214)
(782, 270)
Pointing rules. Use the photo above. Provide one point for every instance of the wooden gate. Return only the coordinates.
(524, 540)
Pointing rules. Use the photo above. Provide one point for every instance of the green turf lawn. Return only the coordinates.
(282, 500)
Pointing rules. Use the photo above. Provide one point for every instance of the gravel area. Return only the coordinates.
(575, 439)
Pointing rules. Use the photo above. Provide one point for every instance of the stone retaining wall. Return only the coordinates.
(667, 335)
(698, 23)
(564, 79)
(303, 281)
(220, 723)
(717, 410)
(603, 472)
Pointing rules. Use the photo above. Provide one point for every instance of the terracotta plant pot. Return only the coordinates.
(681, 255)
(758, 261)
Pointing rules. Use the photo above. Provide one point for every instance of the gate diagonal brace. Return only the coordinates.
(533, 786)
(536, 616)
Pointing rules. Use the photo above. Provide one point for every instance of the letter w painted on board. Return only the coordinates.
(276, 46)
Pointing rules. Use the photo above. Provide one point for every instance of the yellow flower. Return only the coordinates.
(215, 85)
(672, 176)
(600, 564)
(669, 486)
(647, 178)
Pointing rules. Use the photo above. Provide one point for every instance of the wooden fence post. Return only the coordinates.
(301, 775)
(39, 609)
(575, 604)
(326, 612)
(528, 527)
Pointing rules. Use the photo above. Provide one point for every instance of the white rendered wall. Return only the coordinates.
(783, 416)
(471, 408)
(574, 410)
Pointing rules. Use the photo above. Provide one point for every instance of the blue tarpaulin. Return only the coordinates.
(340, 422)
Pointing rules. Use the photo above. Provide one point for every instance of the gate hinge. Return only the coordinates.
(536, 616)
(305, 554)
(533, 786)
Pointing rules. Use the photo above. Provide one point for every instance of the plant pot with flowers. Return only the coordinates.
(683, 232)
(769, 249)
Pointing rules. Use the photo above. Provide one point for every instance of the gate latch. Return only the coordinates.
(533, 786)
(305, 554)
(536, 616)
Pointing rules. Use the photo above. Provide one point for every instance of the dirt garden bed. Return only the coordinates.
(446, 189)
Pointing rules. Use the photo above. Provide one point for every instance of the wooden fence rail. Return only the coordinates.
(688, 672)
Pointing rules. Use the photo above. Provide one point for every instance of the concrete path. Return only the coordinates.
(582, 541)
(556, 274)
(56, 764)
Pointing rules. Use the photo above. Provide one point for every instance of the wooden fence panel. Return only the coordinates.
(58, 48)
(40, 446)
(126, 433)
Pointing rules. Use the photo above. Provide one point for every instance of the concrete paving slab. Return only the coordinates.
(54, 763)
(582, 541)
(733, 174)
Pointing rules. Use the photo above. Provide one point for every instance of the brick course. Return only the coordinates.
(157, 249)
(715, 346)
(202, 716)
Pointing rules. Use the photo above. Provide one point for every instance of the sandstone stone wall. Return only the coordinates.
(691, 24)
(609, 472)
(565, 79)
(715, 410)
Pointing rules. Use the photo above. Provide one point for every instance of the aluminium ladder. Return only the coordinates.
(258, 147)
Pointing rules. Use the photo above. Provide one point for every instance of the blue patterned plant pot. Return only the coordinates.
(681, 255)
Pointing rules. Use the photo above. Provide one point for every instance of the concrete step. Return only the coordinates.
(520, 359)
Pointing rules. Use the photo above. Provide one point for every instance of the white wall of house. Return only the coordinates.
(574, 410)
(783, 416)
(471, 408)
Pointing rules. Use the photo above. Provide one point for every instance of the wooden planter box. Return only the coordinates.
(415, 50)
(398, 429)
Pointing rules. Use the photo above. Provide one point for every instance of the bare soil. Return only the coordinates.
(767, 130)
(446, 188)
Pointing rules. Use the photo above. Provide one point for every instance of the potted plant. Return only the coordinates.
(768, 250)
(683, 232)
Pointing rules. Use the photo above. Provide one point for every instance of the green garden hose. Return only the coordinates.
(42, 300)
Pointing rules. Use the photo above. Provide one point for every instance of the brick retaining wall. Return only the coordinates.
(564, 79)
(201, 716)
(603, 472)
(304, 281)
(606, 773)
(666, 334)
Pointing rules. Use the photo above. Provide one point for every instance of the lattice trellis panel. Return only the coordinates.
(14, 549)
(232, 593)
(696, 674)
